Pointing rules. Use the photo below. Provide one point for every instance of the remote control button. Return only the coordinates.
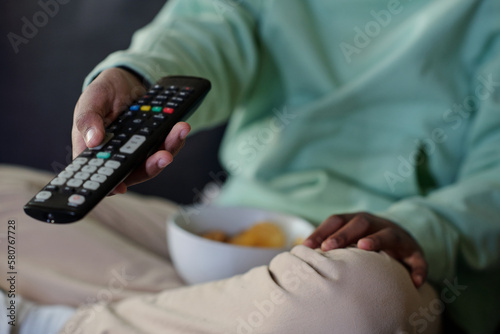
(129, 129)
(160, 117)
(82, 176)
(58, 181)
(162, 97)
(89, 169)
(105, 171)
(138, 121)
(80, 161)
(76, 200)
(112, 164)
(73, 168)
(84, 192)
(103, 155)
(91, 185)
(87, 154)
(96, 162)
(135, 107)
(43, 195)
(157, 109)
(188, 89)
(146, 108)
(183, 94)
(132, 144)
(107, 138)
(157, 87)
(75, 183)
(51, 188)
(144, 115)
(68, 190)
(168, 110)
(156, 103)
(119, 157)
(66, 174)
(172, 104)
(113, 128)
(153, 123)
(178, 99)
(145, 130)
(99, 178)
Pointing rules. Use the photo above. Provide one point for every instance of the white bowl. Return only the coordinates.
(199, 260)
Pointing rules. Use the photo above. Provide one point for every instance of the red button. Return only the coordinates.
(168, 110)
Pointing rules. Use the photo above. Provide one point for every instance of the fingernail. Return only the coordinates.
(89, 135)
(162, 163)
(329, 244)
(308, 243)
(183, 134)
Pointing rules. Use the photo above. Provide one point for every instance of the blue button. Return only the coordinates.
(103, 155)
(135, 107)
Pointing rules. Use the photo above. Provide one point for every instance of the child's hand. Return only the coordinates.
(101, 102)
(371, 233)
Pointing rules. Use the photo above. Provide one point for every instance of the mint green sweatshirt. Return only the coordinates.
(390, 107)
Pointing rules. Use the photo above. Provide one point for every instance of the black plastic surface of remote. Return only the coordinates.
(130, 139)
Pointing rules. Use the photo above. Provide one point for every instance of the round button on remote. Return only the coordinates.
(76, 200)
(43, 195)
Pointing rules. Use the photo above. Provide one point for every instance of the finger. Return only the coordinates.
(88, 121)
(177, 137)
(327, 227)
(119, 189)
(418, 268)
(400, 247)
(350, 233)
(151, 168)
(380, 240)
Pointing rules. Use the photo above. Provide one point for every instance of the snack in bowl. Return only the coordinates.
(260, 234)
(211, 242)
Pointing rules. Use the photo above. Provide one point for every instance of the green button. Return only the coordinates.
(103, 155)
(157, 109)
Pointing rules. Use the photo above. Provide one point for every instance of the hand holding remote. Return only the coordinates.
(100, 103)
(131, 136)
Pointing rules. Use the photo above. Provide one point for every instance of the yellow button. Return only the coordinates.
(145, 108)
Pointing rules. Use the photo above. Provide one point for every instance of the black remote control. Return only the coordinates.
(130, 139)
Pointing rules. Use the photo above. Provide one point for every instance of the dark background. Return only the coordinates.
(41, 83)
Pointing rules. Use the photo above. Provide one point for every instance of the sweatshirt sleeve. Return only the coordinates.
(205, 38)
(459, 224)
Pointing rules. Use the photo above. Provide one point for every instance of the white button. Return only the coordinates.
(106, 171)
(82, 176)
(73, 167)
(89, 169)
(96, 162)
(74, 183)
(107, 138)
(66, 174)
(113, 164)
(99, 178)
(80, 161)
(58, 181)
(91, 185)
(132, 144)
(76, 200)
(43, 195)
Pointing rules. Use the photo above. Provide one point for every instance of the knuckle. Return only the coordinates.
(363, 222)
(340, 239)
(82, 120)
